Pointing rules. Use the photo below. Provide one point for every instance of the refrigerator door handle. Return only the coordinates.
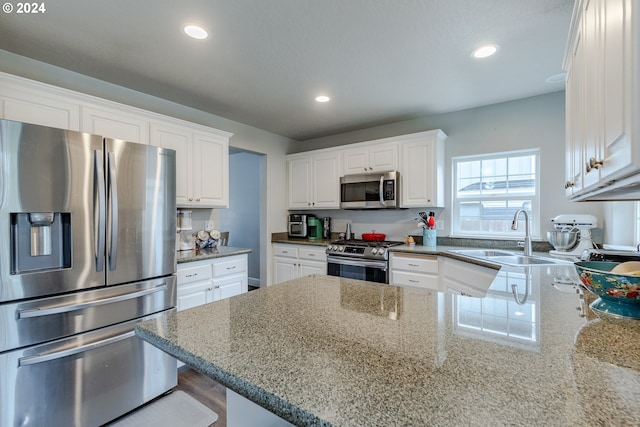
(59, 309)
(99, 210)
(113, 211)
(32, 360)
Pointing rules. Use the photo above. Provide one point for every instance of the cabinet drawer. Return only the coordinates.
(229, 266)
(313, 254)
(418, 264)
(285, 250)
(425, 281)
(193, 274)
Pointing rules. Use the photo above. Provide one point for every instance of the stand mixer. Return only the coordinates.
(584, 224)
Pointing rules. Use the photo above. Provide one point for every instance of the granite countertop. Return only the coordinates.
(207, 253)
(330, 351)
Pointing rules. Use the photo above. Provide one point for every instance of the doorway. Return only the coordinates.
(247, 173)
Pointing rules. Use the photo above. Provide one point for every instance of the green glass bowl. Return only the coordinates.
(619, 293)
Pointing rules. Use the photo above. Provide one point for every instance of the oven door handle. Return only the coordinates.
(382, 265)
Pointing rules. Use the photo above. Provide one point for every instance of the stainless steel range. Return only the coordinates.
(360, 259)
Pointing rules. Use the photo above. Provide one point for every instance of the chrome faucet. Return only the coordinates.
(527, 237)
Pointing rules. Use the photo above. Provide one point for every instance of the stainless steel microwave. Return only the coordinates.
(370, 191)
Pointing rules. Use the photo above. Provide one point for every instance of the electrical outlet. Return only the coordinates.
(208, 225)
(439, 224)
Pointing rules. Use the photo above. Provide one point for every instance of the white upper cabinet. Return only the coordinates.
(602, 145)
(314, 176)
(115, 123)
(202, 153)
(211, 170)
(422, 170)
(314, 180)
(373, 158)
(37, 107)
(202, 164)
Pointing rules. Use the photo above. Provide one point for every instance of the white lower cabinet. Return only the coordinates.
(202, 282)
(464, 278)
(291, 261)
(419, 271)
(205, 281)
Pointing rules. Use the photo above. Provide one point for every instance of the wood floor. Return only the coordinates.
(207, 391)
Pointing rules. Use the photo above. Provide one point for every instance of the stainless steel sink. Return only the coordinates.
(482, 253)
(507, 257)
(524, 260)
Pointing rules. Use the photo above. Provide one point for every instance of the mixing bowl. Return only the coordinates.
(563, 240)
(619, 293)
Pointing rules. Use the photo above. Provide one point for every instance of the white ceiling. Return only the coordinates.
(381, 61)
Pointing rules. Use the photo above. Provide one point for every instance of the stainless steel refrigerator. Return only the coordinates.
(87, 249)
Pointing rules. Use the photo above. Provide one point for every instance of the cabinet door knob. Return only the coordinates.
(191, 199)
(569, 184)
(594, 164)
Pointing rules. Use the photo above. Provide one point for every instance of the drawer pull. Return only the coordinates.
(414, 265)
(414, 281)
(191, 275)
(231, 268)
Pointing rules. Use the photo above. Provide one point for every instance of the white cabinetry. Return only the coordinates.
(201, 282)
(422, 170)
(602, 146)
(373, 158)
(464, 278)
(292, 261)
(314, 176)
(202, 152)
(195, 284)
(117, 123)
(202, 164)
(419, 271)
(313, 180)
(38, 107)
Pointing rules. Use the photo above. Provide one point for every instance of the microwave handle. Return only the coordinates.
(381, 190)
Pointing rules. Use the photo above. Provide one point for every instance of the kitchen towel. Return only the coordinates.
(177, 409)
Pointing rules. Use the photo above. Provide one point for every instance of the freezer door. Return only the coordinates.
(86, 380)
(141, 211)
(49, 229)
(30, 322)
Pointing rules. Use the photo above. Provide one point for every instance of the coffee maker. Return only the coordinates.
(314, 228)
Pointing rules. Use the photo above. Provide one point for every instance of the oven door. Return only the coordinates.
(360, 269)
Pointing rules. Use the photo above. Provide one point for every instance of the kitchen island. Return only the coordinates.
(330, 351)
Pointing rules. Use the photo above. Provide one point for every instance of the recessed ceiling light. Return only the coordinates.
(484, 51)
(322, 98)
(196, 32)
(556, 78)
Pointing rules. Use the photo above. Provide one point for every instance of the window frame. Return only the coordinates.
(534, 214)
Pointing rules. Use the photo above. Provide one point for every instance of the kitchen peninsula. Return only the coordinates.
(330, 351)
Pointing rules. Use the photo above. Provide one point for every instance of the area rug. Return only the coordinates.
(177, 409)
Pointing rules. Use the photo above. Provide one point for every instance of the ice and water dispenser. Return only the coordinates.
(40, 241)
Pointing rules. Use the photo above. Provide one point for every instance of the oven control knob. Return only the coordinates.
(374, 251)
(381, 251)
(332, 248)
(341, 248)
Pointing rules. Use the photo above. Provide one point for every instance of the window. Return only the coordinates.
(489, 189)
